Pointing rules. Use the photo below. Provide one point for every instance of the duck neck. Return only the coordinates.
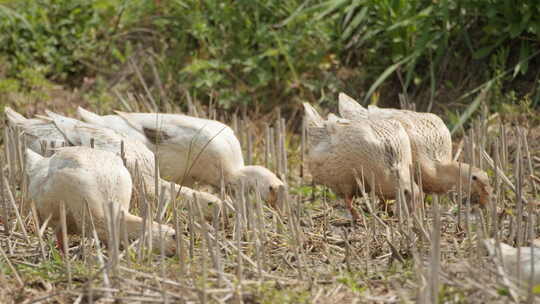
(242, 175)
(441, 177)
(183, 191)
(134, 226)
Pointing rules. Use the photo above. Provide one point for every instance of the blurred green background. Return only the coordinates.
(263, 54)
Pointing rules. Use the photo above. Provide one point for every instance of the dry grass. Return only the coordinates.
(310, 253)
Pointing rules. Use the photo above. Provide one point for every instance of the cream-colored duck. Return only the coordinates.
(340, 151)
(510, 259)
(192, 149)
(431, 145)
(64, 130)
(80, 176)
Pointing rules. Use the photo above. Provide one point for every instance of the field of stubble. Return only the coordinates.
(307, 253)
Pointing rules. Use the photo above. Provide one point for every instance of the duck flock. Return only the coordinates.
(93, 164)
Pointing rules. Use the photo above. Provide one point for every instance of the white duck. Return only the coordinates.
(64, 130)
(78, 176)
(341, 150)
(510, 258)
(431, 145)
(192, 149)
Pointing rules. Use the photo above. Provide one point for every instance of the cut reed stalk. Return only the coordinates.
(180, 246)
(239, 257)
(249, 158)
(518, 174)
(435, 252)
(267, 145)
(145, 86)
(65, 241)
(5, 209)
(303, 142)
(19, 221)
(283, 157)
(39, 234)
(191, 218)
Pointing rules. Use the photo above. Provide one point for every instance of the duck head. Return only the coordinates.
(480, 188)
(412, 193)
(167, 236)
(264, 181)
(410, 188)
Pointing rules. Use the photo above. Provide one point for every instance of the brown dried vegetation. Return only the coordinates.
(307, 253)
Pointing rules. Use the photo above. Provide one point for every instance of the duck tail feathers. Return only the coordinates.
(13, 117)
(312, 117)
(90, 117)
(350, 108)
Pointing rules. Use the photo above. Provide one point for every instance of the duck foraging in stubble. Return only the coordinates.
(526, 260)
(339, 150)
(193, 149)
(431, 145)
(83, 178)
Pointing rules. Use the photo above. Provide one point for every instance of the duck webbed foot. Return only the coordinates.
(354, 213)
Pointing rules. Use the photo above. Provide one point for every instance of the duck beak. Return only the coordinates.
(171, 252)
(277, 198)
(272, 199)
(485, 195)
(488, 190)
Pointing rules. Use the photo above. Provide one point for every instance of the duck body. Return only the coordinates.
(85, 179)
(431, 146)
(191, 149)
(356, 148)
(510, 257)
(342, 151)
(73, 175)
(431, 143)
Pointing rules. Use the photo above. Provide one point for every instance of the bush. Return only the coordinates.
(54, 37)
(422, 39)
(244, 51)
(273, 52)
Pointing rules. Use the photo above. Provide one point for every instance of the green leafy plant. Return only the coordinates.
(416, 39)
(268, 53)
(54, 37)
(243, 51)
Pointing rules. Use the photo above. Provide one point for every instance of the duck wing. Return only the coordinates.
(113, 122)
(429, 135)
(160, 128)
(312, 117)
(79, 133)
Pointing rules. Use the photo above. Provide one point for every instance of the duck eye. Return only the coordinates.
(174, 237)
(474, 177)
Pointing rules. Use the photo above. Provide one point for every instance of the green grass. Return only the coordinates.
(268, 293)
